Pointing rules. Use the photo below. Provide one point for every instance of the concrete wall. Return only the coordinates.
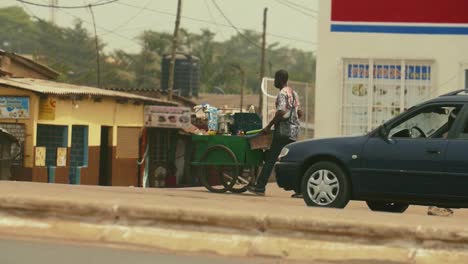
(448, 53)
(94, 115)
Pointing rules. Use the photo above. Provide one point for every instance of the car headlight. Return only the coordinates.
(284, 153)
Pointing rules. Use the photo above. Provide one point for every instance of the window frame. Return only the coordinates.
(466, 78)
(460, 124)
(417, 110)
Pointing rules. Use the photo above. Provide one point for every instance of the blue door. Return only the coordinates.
(404, 166)
(78, 153)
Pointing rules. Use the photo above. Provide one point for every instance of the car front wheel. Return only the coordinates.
(326, 185)
(387, 206)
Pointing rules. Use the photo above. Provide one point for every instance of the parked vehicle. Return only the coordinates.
(419, 157)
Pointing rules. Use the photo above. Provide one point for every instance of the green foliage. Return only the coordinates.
(72, 52)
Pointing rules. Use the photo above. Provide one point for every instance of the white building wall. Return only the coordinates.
(449, 54)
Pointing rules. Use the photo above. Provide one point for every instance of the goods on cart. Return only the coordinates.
(210, 113)
(211, 121)
(224, 122)
(243, 122)
(225, 157)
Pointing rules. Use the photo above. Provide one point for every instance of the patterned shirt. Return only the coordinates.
(288, 101)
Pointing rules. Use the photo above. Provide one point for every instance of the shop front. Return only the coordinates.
(166, 147)
(7, 141)
(73, 134)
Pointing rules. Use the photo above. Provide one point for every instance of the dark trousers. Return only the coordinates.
(271, 156)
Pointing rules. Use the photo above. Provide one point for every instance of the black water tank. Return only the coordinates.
(186, 74)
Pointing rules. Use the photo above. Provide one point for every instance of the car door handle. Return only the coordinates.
(433, 151)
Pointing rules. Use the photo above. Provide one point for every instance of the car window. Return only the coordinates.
(464, 131)
(429, 122)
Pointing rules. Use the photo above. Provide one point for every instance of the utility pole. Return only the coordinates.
(262, 65)
(242, 89)
(243, 82)
(52, 11)
(98, 64)
(173, 51)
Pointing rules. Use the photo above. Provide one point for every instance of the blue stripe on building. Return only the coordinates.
(400, 29)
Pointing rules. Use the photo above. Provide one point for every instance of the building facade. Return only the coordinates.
(378, 58)
(73, 134)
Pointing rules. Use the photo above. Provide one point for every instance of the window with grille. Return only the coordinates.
(19, 131)
(52, 137)
(374, 91)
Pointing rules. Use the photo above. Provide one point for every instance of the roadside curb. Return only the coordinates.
(231, 233)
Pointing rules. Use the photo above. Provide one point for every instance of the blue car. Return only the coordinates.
(419, 157)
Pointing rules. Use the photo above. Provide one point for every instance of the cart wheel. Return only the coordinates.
(219, 178)
(247, 177)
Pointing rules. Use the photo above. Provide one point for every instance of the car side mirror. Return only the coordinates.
(385, 134)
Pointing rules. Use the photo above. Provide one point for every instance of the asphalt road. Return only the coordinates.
(14, 251)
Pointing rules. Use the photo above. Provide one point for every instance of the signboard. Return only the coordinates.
(389, 72)
(61, 157)
(435, 17)
(40, 157)
(401, 11)
(167, 116)
(14, 107)
(47, 108)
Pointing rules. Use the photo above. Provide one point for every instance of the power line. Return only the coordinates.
(213, 19)
(31, 13)
(233, 26)
(296, 9)
(219, 24)
(301, 6)
(101, 28)
(108, 31)
(133, 17)
(99, 3)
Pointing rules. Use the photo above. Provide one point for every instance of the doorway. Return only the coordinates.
(78, 153)
(105, 157)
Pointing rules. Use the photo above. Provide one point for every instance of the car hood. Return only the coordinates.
(337, 147)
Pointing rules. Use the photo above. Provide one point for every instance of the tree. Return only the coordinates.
(72, 52)
(16, 24)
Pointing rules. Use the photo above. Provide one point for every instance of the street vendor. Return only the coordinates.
(286, 123)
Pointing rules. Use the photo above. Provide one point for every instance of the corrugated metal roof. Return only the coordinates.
(65, 89)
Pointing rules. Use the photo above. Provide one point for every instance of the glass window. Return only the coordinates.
(430, 122)
(375, 91)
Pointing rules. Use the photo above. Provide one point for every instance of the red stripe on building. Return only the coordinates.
(401, 11)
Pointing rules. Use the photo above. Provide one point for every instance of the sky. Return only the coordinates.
(292, 23)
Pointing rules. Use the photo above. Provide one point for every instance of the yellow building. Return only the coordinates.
(73, 134)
